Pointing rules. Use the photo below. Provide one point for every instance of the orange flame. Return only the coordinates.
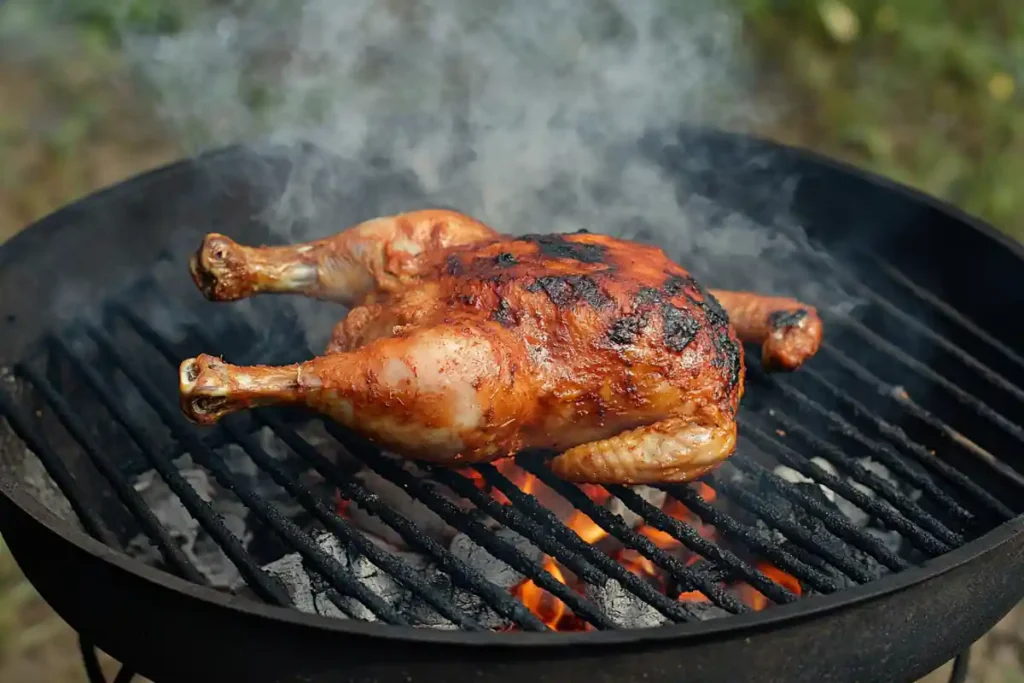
(545, 606)
(585, 528)
(693, 596)
(791, 583)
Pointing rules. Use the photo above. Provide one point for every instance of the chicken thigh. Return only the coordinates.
(463, 345)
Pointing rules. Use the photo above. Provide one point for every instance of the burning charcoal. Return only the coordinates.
(315, 434)
(372, 577)
(272, 445)
(402, 503)
(794, 477)
(493, 569)
(825, 465)
(394, 593)
(705, 611)
(655, 497)
(623, 607)
(290, 572)
(200, 549)
(856, 515)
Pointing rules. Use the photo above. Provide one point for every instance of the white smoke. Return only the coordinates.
(525, 115)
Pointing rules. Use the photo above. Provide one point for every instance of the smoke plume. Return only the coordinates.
(525, 115)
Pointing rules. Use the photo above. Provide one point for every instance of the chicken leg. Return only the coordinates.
(788, 331)
(377, 255)
(448, 393)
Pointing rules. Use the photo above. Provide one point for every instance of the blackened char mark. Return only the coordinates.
(688, 285)
(565, 290)
(647, 296)
(453, 264)
(781, 320)
(557, 246)
(505, 260)
(676, 284)
(504, 315)
(728, 353)
(627, 329)
(681, 327)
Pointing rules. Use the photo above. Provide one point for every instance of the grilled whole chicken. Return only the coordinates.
(463, 345)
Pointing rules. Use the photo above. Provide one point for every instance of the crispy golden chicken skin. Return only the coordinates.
(463, 345)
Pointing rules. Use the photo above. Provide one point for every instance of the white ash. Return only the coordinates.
(200, 549)
(883, 472)
(493, 569)
(655, 497)
(794, 477)
(310, 592)
(624, 608)
(399, 501)
(892, 540)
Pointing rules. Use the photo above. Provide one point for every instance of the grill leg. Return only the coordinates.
(960, 666)
(92, 665)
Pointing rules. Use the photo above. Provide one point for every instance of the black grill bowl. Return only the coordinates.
(937, 285)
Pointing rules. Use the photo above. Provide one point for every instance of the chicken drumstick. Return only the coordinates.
(463, 345)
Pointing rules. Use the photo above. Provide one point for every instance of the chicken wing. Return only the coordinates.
(463, 345)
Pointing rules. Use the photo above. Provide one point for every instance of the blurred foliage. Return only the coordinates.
(922, 91)
(925, 92)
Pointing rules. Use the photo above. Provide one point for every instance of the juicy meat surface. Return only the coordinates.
(463, 345)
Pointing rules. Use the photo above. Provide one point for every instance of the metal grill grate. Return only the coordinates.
(108, 382)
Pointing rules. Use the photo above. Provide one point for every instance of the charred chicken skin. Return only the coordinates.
(463, 345)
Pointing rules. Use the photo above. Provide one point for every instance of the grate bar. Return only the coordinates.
(917, 516)
(129, 497)
(948, 311)
(55, 467)
(788, 456)
(925, 416)
(397, 568)
(670, 608)
(617, 527)
(211, 522)
(695, 541)
(609, 565)
(952, 389)
(857, 284)
(834, 522)
(883, 452)
(546, 539)
(445, 509)
(793, 532)
(462, 574)
(326, 565)
(728, 526)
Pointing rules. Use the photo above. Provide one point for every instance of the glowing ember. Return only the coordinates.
(341, 505)
(545, 606)
(758, 601)
(693, 596)
(585, 528)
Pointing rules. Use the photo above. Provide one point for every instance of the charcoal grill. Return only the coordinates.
(96, 310)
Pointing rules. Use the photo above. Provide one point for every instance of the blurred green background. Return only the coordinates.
(923, 91)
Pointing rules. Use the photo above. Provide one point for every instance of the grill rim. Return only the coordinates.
(36, 235)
